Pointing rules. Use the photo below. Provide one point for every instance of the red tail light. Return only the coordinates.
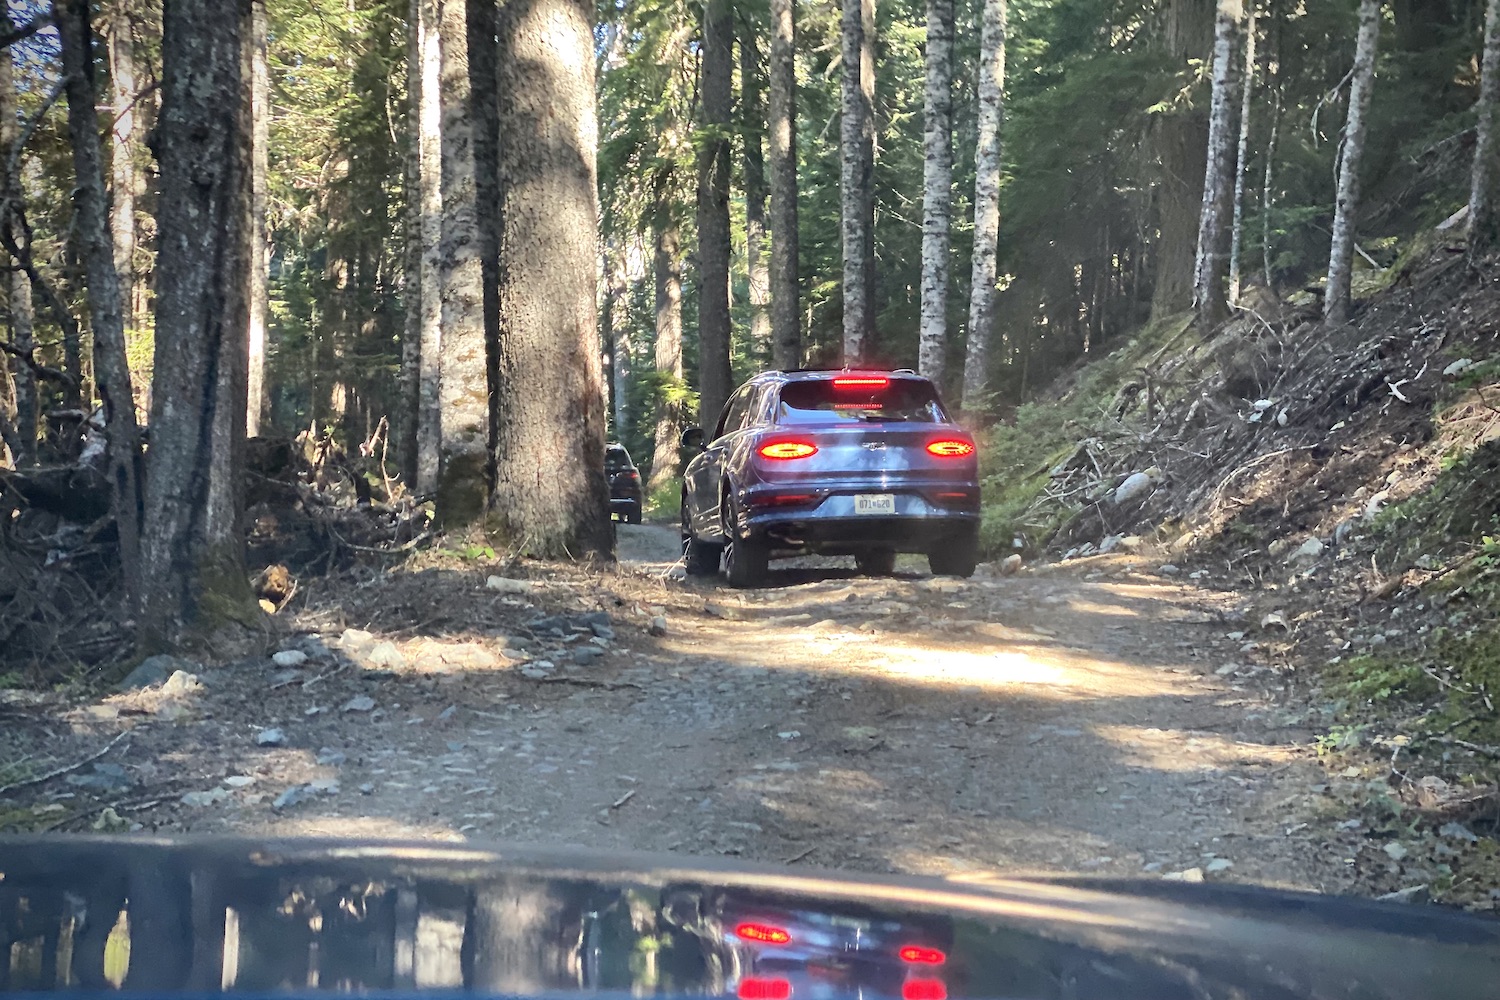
(861, 383)
(951, 448)
(756, 988)
(924, 989)
(918, 955)
(785, 450)
(763, 933)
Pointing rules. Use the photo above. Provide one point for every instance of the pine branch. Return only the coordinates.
(25, 31)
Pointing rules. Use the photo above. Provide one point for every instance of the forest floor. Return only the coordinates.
(1109, 719)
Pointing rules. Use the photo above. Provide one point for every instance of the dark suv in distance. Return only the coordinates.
(861, 463)
(625, 496)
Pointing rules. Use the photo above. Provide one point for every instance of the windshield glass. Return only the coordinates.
(854, 399)
(616, 458)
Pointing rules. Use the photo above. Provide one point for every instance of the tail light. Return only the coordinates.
(785, 450)
(758, 988)
(924, 989)
(950, 448)
(861, 383)
(782, 499)
(763, 933)
(917, 955)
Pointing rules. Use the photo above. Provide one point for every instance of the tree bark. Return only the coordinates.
(257, 405)
(857, 141)
(193, 540)
(550, 494)
(786, 331)
(430, 193)
(752, 129)
(667, 266)
(983, 291)
(486, 136)
(1214, 230)
(1241, 159)
(18, 284)
(1484, 220)
(409, 389)
(617, 328)
(111, 371)
(1336, 300)
(715, 377)
(937, 191)
(1181, 139)
(122, 92)
(464, 386)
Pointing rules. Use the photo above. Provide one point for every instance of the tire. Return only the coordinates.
(746, 560)
(876, 562)
(699, 558)
(953, 559)
(633, 515)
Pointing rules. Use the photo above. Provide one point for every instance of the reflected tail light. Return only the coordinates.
(763, 933)
(861, 383)
(782, 451)
(759, 988)
(916, 954)
(924, 989)
(950, 448)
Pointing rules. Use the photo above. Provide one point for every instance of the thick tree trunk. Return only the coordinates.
(18, 284)
(550, 494)
(617, 329)
(464, 384)
(193, 540)
(409, 407)
(786, 333)
(983, 291)
(752, 129)
(857, 164)
(486, 136)
(1241, 160)
(1181, 139)
(1214, 228)
(1346, 213)
(257, 404)
(937, 190)
(715, 377)
(122, 100)
(430, 193)
(667, 265)
(91, 216)
(1484, 219)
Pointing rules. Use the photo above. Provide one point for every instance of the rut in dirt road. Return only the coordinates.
(1110, 723)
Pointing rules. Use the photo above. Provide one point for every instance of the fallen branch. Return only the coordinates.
(59, 772)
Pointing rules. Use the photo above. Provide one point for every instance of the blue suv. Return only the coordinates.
(861, 463)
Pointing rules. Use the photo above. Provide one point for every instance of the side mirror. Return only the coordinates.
(693, 439)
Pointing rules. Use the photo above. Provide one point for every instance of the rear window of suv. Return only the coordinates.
(838, 400)
(616, 458)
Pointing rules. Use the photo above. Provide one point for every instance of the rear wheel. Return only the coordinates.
(746, 560)
(955, 558)
(699, 558)
(876, 562)
(633, 515)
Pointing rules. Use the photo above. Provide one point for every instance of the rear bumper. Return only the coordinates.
(618, 504)
(834, 536)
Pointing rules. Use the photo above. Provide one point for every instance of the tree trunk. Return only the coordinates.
(1267, 193)
(786, 331)
(112, 373)
(464, 385)
(1214, 230)
(1346, 213)
(752, 128)
(430, 194)
(1241, 160)
(486, 136)
(715, 377)
(193, 540)
(937, 190)
(983, 292)
(257, 405)
(550, 493)
(1181, 139)
(667, 265)
(857, 141)
(409, 407)
(122, 90)
(1484, 220)
(617, 329)
(18, 284)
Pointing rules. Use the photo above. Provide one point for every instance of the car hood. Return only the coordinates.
(161, 916)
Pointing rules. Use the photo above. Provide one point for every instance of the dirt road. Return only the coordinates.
(1111, 722)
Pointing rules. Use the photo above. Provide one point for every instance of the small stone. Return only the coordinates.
(201, 799)
(1218, 865)
(1309, 551)
(324, 786)
(1132, 543)
(790, 734)
(152, 670)
(1227, 669)
(658, 625)
(1010, 565)
(367, 789)
(602, 631)
(505, 585)
(1457, 831)
(109, 821)
(271, 738)
(1276, 619)
(359, 703)
(181, 683)
(354, 639)
(1186, 875)
(239, 781)
(1414, 895)
(385, 656)
(289, 658)
(585, 655)
(1458, 367)
(454, 746)
(1395, 851)
(1135, 486)
(1167, 569)
(331, 758)
(291, 797)
(446, 714)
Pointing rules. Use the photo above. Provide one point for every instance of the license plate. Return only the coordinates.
(875, 503)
